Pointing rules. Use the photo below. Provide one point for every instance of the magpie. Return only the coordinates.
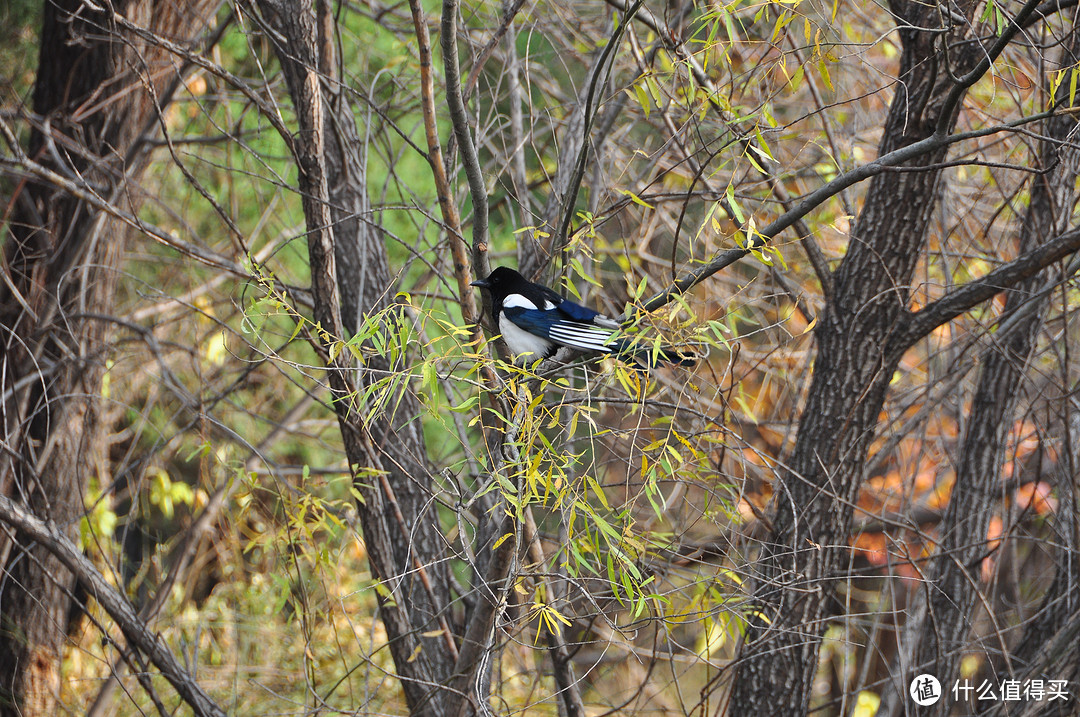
(535, 321)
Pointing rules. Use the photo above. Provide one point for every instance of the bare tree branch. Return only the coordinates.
(812, 200)
(460, 120)
(451, 216)
(976, 291)
(119, 609)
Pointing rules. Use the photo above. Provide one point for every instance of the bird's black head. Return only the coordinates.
(502, 281)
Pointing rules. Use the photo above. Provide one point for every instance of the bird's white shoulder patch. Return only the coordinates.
(517, 301)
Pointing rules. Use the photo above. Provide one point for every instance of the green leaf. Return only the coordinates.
(797, 78)
(643, 99)
(466, 405)
(735, 208)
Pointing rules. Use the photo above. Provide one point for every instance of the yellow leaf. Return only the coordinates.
(216, 351)
(635, 198)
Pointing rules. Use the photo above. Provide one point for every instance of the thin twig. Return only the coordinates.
(814, 199)
(475, 175)
(451, 217)
(602, 67)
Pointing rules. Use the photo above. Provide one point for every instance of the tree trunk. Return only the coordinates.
(953, 581)
(856, 357)
(61, 259)
(351, 278)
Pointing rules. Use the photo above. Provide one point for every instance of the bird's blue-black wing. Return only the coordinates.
(563, 328)
(577, 312)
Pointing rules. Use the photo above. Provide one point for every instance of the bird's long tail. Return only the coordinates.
(652, 357)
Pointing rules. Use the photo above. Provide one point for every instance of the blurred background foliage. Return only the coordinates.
(639, 484)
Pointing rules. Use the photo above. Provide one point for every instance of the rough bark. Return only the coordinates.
(856, 358)
(60, 258)
(1054, 654)
(953, 579)
(351, 278)
(945, 614)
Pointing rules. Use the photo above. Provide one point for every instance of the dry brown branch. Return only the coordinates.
(129, 622)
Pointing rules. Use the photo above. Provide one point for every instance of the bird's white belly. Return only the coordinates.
(521, 341)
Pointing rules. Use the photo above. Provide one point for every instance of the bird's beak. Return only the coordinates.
(482, 283)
